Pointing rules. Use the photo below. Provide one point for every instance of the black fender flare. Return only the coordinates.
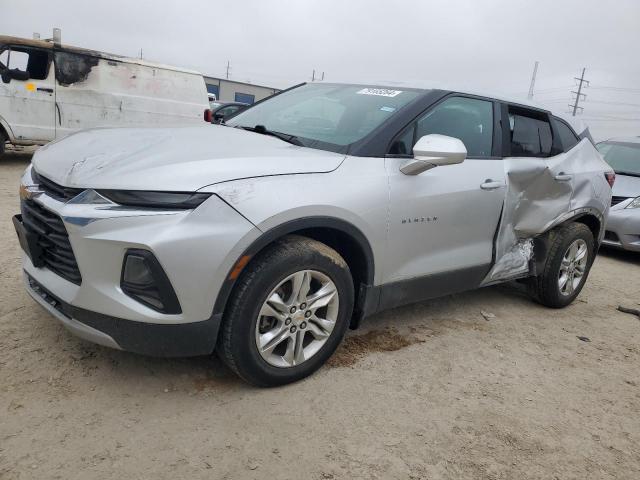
(286, 228)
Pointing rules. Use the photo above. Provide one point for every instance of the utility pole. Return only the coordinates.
(322, 76)
(228, 67)
(579, 93)
(533, 81)
(313, 76)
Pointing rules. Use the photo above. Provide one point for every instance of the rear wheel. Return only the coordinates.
(566, 267)
(288, 312)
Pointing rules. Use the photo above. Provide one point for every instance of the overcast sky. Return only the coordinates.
(474, 44)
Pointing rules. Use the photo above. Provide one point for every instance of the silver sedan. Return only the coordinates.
(623, 225)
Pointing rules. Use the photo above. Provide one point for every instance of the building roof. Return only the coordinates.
(209, 77)
(44, 44)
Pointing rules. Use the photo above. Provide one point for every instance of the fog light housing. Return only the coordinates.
(144, 280)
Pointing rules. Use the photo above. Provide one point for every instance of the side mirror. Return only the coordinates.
(15, 74)
(434, 151)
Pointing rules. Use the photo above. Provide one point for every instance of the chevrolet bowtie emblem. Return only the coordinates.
(27, 192)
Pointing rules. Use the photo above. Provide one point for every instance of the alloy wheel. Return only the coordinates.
(297, 318)
(573, 267)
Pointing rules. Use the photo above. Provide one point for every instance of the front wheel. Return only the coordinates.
(566, 267)
(288, 312)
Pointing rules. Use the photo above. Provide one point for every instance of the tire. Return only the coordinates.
(3, 140)
(249, 320)
(548, 288)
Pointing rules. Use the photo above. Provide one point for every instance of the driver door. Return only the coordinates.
(443, 221)
(27, 93)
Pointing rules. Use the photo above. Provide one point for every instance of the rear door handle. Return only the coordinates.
(42, 89)
(562, 177)
(491, 185)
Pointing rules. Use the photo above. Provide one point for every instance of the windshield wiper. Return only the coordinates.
(631, 174)
(292, 139)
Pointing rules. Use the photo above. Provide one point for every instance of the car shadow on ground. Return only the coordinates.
(621, 255)
(384, 332)
(16, 157)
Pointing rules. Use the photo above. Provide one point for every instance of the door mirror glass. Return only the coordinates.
(433, 151)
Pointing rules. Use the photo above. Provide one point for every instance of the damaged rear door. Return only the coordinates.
(539, 188)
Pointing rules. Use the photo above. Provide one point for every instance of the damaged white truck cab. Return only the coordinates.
(49, 90)
(265, 238)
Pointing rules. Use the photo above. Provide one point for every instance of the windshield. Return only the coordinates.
(325, 116)
(624, 157)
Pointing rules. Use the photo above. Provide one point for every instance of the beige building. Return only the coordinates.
(231, 91)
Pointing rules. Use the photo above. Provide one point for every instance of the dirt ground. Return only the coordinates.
(428, 391)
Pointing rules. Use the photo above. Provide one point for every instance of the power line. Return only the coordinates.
(617, 89)
(623, 104)
(579, 92)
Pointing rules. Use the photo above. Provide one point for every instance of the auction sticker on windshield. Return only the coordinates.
(381, 92)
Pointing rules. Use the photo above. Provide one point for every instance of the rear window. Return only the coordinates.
(530, 134)
(567, 137)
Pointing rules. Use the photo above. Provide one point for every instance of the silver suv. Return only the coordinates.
(266, 238)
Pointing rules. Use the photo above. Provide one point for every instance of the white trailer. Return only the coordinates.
(48, 90)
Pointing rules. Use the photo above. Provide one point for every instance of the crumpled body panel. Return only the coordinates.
(540, 194)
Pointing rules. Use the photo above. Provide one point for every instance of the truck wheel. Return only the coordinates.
(287, 313)
(566, 267)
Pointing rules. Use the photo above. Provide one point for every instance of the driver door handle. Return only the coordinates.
(490, 185)
(562, 177)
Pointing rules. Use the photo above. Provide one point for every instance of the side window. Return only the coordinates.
(567, 137)
(228, 111)
(4, 59)
(469, 119)
(34, 63)
(530, 133)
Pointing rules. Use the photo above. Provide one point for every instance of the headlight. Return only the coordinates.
(635, 203)
(140, 198)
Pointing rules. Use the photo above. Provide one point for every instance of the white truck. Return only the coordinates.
(48, 90)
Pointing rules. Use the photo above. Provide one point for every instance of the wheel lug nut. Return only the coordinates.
(292, 310)
(303, 325)
(293, 329)
(307, 314)
(303, 306)
(287, 321)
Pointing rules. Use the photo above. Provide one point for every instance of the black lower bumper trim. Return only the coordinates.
(154, 339)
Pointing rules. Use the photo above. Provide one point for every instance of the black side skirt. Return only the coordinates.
(418, 289)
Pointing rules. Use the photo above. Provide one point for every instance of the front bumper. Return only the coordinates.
(159, 340)
(623, 229)
(195, 248)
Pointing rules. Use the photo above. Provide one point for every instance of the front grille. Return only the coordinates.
(53, 190)
(57, 254)
(62, 307)
(617, 200)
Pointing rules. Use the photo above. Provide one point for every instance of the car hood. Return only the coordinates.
(173, 159)
(626, 186)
